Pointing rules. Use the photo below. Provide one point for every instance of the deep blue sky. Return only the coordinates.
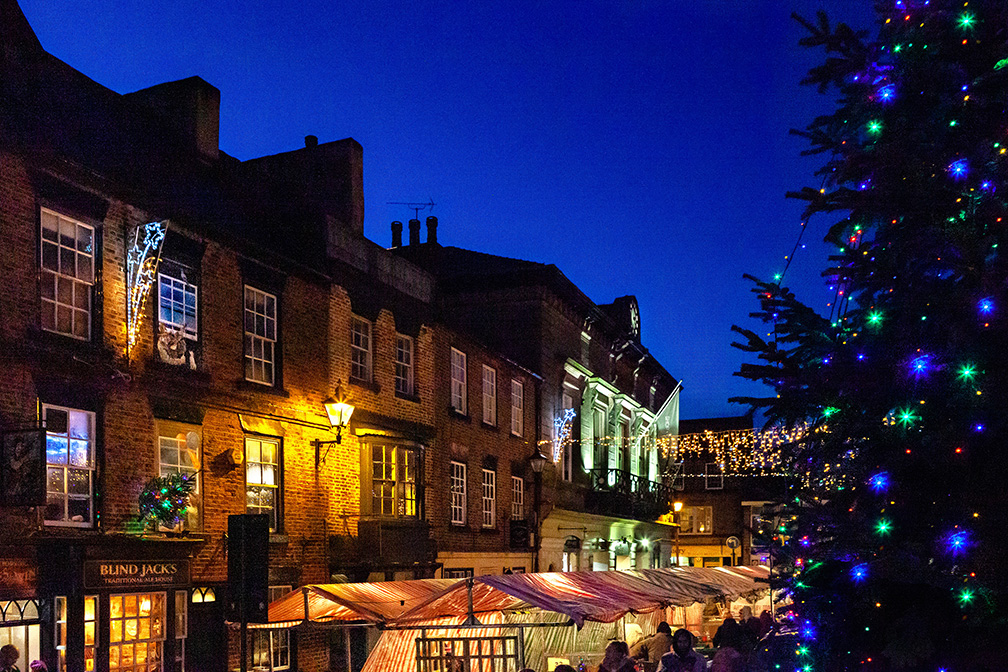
(639, 145)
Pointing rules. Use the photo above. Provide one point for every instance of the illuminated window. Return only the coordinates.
(458, 493)
(404, 365)
(20, 626)
(360, 349)
(696, 520)
(260, 336)
(136, 632)
(179, 450)
(262, 479)
(177, 305)
(201, 595)
(489, 395)
(393, 481)
(276, 641)
(70, 462)
(181, 629)
(458, 381)
(67, 280)
(489, 498)
(517, 408)
(517, 497)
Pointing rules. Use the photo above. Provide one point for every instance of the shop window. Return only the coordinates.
(458, 493)
(181, 628)
(393, 481)
(360, 350)
(696, 520)
(458, 381)
(270, 649)
(489, 395)
(517, 408)
(19, 626)
(404, 365)
(517, 497)
(70, 464)
(260, 336)
(90, 631)
(136, 632)
(262, 479)
(68, 271)
(489, 498)
(180, 452)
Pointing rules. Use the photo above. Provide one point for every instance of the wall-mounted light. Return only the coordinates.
(339, 409)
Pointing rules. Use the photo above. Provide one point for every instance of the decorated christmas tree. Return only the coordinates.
(892, 547)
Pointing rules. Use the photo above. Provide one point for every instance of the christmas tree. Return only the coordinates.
(892, 546)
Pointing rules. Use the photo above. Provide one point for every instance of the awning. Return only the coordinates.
(588, 596)
(351, 603)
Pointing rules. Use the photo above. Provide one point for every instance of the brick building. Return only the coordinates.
(169, 309)
(604, 401)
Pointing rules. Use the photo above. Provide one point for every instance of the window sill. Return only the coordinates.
(489, 530)
(458, 415)
(516, 435)
(275, 538)
(249, 386)
(487, 426)
(415, 398)
(366, 384)
(197, 376)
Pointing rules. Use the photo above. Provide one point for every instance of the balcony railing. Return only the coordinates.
(619, 492)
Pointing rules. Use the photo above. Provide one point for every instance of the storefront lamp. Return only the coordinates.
(339, 410)
(537, 462)
(677, 506)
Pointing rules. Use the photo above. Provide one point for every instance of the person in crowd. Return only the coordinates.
(766, 623)
(654, 647)
(38, 666)
(617, 658)
(732, 647)
(563, 667)
(682, 657)
(728, 626)
(9, 655)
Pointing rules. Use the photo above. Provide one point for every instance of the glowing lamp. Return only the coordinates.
(537, 462)
(339, 411)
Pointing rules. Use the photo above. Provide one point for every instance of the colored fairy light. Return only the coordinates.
(860, 356)
(978, 427)
(882, 527)
(985, 306)
(907, 417)
(829, 411)
(965, 21)
(967, 372)
(957, 542)
(807, 631)
(986, 185)
(874, 318)
(888, 92)
(958, 169)
(965, 596)
(879, 482)
(805, 541)
(859, 573)
(874, 126)
(141, 269)
(920, 366)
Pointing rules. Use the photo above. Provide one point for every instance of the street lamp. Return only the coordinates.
(676, 508)
(537, 462)
(339, 410)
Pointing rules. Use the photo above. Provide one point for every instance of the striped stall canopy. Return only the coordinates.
(587, 596)
(351, 602)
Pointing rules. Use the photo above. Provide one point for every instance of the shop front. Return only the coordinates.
(21, 611)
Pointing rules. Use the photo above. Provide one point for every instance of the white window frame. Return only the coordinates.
(713, 476)
(64, 469)
(458, 381)
(168, 444)
(270, 477)
(261, 341)
(489, 498)
(489, 395)
(404, 365)
(178, 299)
(517, 498)
(517, 407)
(181, 628)
(458, 493)
(361, 349)
(55, 260)
(277, 640)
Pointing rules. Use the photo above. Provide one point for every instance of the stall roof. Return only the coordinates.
(353, 602)
(591, 596)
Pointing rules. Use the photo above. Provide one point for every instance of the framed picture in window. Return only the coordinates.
(22, 478)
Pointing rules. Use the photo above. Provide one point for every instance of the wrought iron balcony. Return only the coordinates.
(617, 492)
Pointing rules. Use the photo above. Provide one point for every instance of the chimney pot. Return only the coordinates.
(396, 234)
(432, 229)
(414, 232)
(311, 141)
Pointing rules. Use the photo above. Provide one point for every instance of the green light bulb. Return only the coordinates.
(883, 527)
(965, 21)
(967, 372)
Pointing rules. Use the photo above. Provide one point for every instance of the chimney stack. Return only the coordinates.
(432, 229)
(414, 232)
(396, 234)
(311, 141)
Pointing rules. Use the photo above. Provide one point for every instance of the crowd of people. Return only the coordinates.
(734, 644)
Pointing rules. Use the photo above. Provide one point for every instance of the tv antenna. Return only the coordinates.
(415, 207)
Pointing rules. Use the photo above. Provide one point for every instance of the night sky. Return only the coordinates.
(641, 146)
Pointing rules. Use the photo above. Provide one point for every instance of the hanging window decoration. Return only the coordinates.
(141, 270)
(562, 426)
(164, 500)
